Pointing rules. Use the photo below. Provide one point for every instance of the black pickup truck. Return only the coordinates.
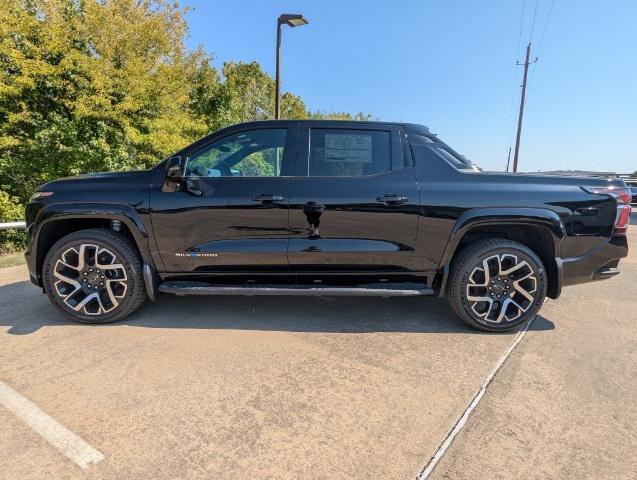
(323, 208)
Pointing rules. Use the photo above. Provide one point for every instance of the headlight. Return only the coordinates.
(37, 195)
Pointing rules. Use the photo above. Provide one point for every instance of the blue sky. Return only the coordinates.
(451, 65)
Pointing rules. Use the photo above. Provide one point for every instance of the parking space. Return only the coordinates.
(321, 388)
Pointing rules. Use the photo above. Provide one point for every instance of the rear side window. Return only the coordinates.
(442, 150)
(457, 162)
(349, 153)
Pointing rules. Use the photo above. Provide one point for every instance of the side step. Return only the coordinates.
(375, 290)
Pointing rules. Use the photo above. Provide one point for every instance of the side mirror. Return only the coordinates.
(175, 169)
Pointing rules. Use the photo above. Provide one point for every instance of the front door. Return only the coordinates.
(354, 204)
(234, 216)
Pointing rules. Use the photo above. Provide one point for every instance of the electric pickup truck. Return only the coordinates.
(323, 208)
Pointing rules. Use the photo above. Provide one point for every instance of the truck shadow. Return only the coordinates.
(25, 310)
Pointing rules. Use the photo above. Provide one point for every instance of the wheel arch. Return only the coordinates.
(541, 230)
(55, 221)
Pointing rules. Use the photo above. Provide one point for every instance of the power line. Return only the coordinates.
(511, 118)
(537, 3)
(517, 51)
(539, 51)
(546, 27)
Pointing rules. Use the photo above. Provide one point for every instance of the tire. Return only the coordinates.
(108, 285)
(511, 294)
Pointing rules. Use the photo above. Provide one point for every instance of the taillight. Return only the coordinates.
(623, 197)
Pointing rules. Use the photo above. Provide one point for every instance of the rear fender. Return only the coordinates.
(471, 219)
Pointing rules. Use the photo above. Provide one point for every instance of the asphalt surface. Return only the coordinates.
(565, 404)
(195, 387)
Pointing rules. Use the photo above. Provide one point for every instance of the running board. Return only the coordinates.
(375, 290)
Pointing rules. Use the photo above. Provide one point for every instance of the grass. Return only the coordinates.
(11, 259)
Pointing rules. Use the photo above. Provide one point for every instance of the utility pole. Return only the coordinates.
(517, 137)
(508, 159)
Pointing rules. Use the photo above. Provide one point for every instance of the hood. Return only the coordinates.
(100, 181)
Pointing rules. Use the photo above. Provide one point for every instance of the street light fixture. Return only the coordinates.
(291, 20)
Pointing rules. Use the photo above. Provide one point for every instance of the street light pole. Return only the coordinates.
(291, 20)
(277, 80)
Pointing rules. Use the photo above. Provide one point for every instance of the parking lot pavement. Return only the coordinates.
(194, 387)
(565, 404)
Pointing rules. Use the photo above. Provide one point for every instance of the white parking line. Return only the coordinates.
(57, 435)
(460, 423)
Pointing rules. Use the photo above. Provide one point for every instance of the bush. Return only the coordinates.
(11, 211)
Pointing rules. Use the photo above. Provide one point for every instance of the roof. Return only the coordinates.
(409, 127)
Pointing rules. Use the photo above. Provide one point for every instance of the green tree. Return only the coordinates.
(93, 85)
(246, 94)
(293, 107)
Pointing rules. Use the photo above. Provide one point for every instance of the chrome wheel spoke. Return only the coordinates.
(517, 311)
(62, 277)
(115, 266)
(89, 279)
(501, 288)
(115, 290)
(85, 300)
(111, 297)
(515, 267)
(528, 294)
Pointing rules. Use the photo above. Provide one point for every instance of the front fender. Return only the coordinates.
(127, 214)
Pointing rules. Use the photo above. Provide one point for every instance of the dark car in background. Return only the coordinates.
(323, 208)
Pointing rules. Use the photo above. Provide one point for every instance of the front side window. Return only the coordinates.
(255, 153)
(349, 153)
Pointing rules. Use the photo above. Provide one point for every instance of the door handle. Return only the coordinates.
(392, 199)
(267, 198)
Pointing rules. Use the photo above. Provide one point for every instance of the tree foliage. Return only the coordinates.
(92, 86)
(10, 211)
(102, 85)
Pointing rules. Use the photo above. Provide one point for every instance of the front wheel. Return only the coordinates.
(94, 276)
(497, 285)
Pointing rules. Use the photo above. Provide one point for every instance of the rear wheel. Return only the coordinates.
(496, 285)
(94, 276)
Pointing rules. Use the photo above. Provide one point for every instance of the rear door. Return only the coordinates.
(354, 203)
(234, 216)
